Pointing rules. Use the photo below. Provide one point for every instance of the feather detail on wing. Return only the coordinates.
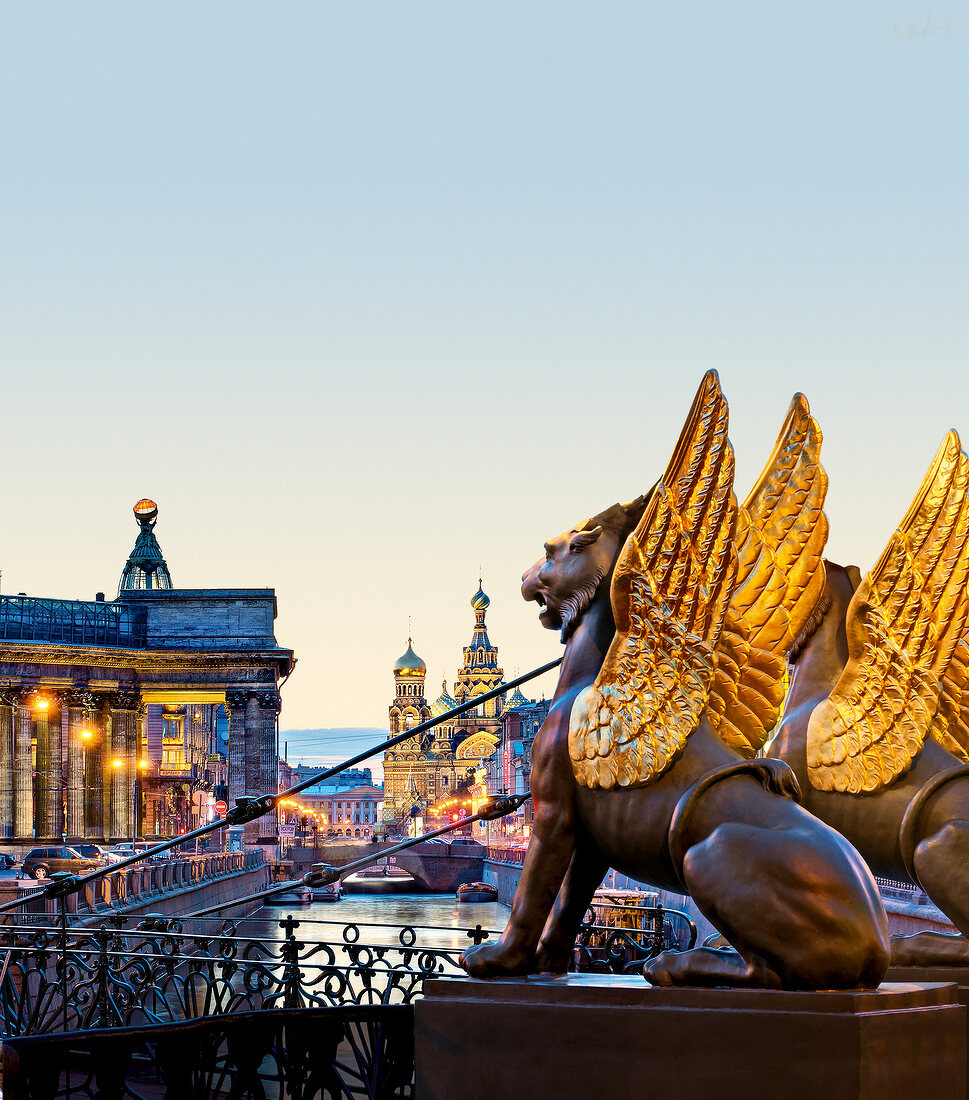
(780, 535)
(951, 725)
(904, 623)
(670, 590)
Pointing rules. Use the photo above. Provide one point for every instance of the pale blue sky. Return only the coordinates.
(366, 295)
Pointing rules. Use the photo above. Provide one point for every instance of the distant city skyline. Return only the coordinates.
(326, 747)
(371, 298)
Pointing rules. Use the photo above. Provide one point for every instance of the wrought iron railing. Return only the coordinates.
(208, 1008)
(64, 979)
(616, 938)
(347, 1053)
(506, 854)
(55, 979)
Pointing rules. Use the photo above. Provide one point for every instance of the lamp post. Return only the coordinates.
(142, 765)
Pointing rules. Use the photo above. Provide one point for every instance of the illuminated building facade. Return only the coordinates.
(425, 769)
(122, 717)
(333, 809)
(508, 769)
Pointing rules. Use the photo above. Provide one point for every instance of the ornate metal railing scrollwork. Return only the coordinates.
(67, 979)
(353, 1052)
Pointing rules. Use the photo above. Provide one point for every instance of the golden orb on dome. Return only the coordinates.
(145, 509)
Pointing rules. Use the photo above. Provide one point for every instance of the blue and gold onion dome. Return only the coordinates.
(479, 601)
(409, 664)
(516, 700)
(443, 703)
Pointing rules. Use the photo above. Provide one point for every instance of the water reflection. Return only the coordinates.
(438, 919)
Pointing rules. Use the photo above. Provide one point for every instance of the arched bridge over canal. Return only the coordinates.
(438, 867)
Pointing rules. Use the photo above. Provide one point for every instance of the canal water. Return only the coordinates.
(437, 919)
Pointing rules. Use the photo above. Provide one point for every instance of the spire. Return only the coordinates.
(145, 567)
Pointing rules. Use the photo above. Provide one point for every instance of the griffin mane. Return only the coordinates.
(620, 519)
(810, 628)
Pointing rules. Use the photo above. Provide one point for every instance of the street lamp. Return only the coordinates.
(142, 765)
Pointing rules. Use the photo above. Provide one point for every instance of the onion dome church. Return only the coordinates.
(427, 768)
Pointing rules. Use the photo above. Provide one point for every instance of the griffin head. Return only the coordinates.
(564, 582)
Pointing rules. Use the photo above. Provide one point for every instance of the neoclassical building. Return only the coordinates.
(117, 716)
(425, 769)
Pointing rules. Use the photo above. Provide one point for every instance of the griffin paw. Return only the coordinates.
(496, 961)
(551, 961)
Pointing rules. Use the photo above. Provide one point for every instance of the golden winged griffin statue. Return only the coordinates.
(689, 623)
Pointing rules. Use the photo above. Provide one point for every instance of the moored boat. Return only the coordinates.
(380, 880)
(299, 895)
(330, 892)
(476, 892)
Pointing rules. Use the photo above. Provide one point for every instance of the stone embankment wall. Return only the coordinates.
(909, 909)
(171, 887)
(503, 873)
(503, 869)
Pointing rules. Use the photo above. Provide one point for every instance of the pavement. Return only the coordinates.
(13, 876)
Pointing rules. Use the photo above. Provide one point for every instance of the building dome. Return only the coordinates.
(442, 704)
(516, 700)
(479, 601)
(409, 664)
(145, 567)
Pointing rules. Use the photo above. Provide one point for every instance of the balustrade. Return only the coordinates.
(136, 885)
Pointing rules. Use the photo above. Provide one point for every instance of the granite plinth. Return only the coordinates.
(586, 1035)
(958, 975)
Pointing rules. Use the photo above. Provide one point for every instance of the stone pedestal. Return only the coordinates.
(958, 975)
(598, 1035)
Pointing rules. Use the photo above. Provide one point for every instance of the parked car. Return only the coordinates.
(41, 863)
(123, 851)
(95, 851)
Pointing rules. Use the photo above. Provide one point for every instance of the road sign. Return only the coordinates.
(220, 808)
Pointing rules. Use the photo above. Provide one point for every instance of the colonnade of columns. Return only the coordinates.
(253, 720)
(57, 776)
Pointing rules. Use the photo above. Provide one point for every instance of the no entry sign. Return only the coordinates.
(220, 808)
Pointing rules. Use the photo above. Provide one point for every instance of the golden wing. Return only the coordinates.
(780, 535)
(951, 725)
(903, 623)
(670, 590)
